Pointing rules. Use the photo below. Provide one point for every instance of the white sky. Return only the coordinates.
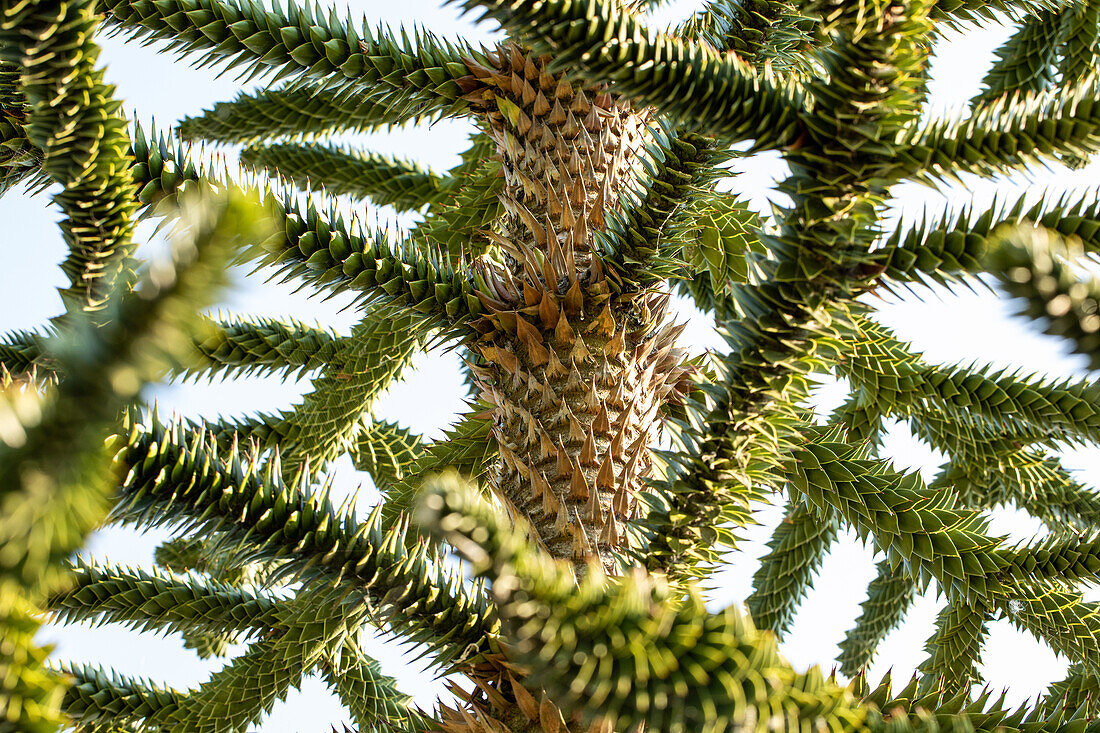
(948, 327)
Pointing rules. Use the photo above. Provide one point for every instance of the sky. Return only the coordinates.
(964, 326)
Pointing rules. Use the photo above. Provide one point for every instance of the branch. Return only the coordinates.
(1080, 40)
(996, 403)
(302, 109)
(300, 42)
(467, 447)
(788, 320)
(954, 244)
(987, 472)
(908, 522)
(1007, 135)
(21, 352)
(55, 471)
(144, 601)
(240, 346)
(309, 627)
(49, 509)
(98, 693)
(630, 651)
(171, 478)
(252, 346)
(954, 13)
(1025, 62)
(1036, 264)
(469, 206)
(935, 540)
(312, 166)
(19, 161)
(795, 552)
(640, 246)
(1077, 692)
(326, 424)
(386, 450)
(373, 698)
(689, 81)
(73, 121)
(762, 32)
(889, 597)
(1062, 560)
(1062, 619)
(323, 250)
(954, 650)
(626, 651)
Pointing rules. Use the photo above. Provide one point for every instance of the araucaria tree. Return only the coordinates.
(595, 185)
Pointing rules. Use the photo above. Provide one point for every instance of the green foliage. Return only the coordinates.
(795, 552)
(1036, 264)
(1010, 133)
(154, 600)
(598, 158)
(384, 180)
(17, 157)
(264, 519)
(763, 31)
(649, 646)
(49, 506)
(641, 246)
(1025, 63)
(296, 109)
(328, 421)
(889, 597)
(466, 448)
(258, 346)
(690, 81)
(954, 648)
(386, 450)
(301, 42)
(83, 144)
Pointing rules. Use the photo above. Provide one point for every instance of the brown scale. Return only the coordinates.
(575, 374)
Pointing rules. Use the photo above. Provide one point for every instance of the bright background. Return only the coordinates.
(961, 326)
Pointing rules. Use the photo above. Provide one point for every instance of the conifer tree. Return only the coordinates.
(591, 191)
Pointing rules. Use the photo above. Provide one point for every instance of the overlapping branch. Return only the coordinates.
(689, 81)
(171, 476)
(1007, 134)
(305, 41)
(327, 422)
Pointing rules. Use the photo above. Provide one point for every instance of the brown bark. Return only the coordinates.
(576, 373)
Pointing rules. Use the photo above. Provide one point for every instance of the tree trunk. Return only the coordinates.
(576, 373)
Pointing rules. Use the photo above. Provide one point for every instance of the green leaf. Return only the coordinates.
(720, 233)
(83, 145)
(1025, 63)
(386, 451)
(152, 600)
(954, 650)
(771, 32)
(650, 643)
(1007, 135)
